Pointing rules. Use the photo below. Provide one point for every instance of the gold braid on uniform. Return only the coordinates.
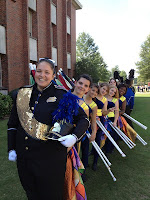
(34, 128)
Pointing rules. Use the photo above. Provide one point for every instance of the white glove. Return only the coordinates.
(12, 155)
(68, 140)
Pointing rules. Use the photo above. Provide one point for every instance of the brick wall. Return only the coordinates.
(16, 51)
(60, 38)
(64, 35)
(3, 57)
(42, 25)
(3, 12)
(4, 71)
(15, 62)
(73, 40)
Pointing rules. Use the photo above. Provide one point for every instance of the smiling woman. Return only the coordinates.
(41, 163)
(82, 85)
(44, 74)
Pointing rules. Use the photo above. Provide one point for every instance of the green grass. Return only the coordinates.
(10, 188)
(144, 94)
(132, 172)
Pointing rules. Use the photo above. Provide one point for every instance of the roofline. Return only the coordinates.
(77, 4)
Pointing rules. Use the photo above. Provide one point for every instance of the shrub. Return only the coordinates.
(5, 105)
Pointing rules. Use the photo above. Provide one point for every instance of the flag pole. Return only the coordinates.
(122, 137)
(141, 140)
(110, 138)
(125, 136)
(135, 121)
(99, 151)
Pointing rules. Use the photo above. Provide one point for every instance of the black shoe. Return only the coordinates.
(94, 167)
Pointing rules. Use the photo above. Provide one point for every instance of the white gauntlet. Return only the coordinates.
(12, 156)
(68, 140)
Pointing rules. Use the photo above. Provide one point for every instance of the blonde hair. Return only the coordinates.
(117, 93)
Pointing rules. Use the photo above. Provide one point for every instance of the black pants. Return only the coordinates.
(85, 151)
(39, 181)
(98, 141)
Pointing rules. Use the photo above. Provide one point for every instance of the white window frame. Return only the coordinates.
(2, 40)
(32, 4)
(68, 25)
(30, 22)
(68, 61)
(33, 49)
(53, 14)
(54, 55)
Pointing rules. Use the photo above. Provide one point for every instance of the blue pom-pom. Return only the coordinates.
(67, 108)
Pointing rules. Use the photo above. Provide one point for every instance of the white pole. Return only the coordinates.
(141, 140)
(114, 179)
(128, 144)
(126, 137)
(135, 121)
(97, 148)
(109, 137)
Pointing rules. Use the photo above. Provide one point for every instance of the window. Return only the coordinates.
(32, 4)
(54, 55)
(68, 61)
(68, 25)
(2, 40)
(33, 49)
(53, 14)
(30, 22)
(0, 72)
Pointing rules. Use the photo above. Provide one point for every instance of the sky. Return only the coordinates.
(118, 27)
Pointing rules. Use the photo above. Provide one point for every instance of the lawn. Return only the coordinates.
(132, 172)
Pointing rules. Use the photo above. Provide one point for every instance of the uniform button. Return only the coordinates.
(27, 148)
(30, 127)
(39, 95)
(26, 138)
(36, 102)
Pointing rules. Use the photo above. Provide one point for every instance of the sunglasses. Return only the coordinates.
(48, 60)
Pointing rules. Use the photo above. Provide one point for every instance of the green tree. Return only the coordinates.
(123, 74)
(143, 65)
(89, 60)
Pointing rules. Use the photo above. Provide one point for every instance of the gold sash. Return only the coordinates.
(34, 128)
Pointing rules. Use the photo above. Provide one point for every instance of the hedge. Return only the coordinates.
(5, 105)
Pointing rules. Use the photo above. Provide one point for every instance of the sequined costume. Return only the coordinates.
(41, 164)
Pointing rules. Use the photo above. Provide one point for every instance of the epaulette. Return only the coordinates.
(104, 99)
(122, 98)
(84, 106)
(26, 86)
(114, 100)
(60, 87)
(92, 105)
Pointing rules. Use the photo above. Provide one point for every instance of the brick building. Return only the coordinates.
(32, 29)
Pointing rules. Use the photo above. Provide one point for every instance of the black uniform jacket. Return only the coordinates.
(31, 148)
